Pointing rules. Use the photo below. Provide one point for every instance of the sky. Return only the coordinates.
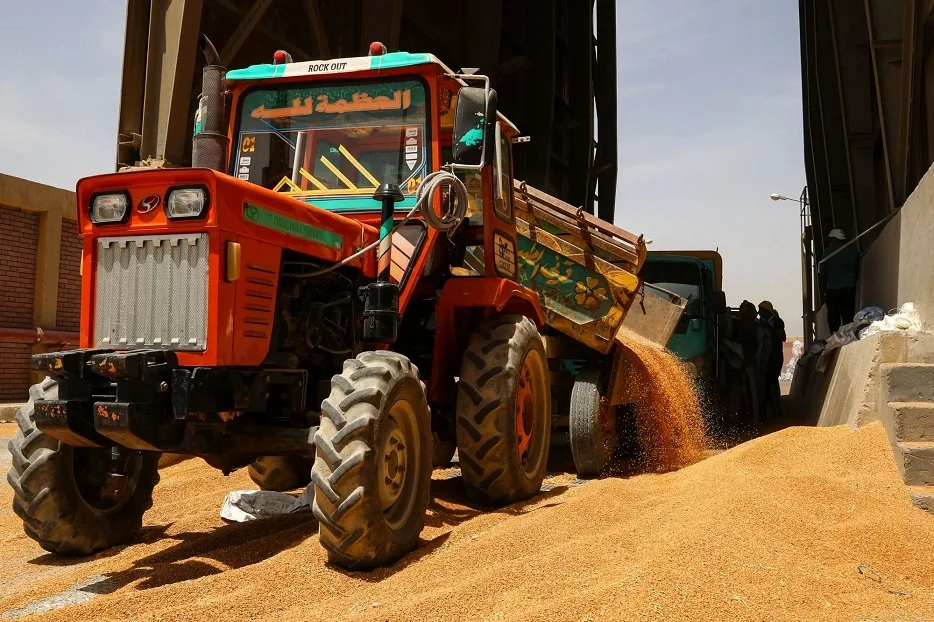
(709, 115)
(709, 123)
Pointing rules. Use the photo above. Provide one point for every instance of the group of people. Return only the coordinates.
(762, 336)
(762, 330)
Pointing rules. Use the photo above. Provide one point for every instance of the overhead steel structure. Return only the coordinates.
(868, 91)
(553, 63)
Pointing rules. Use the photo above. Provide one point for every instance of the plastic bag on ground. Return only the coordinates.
(241, 506)
(905, 318)
(869, 315)
(788, 373)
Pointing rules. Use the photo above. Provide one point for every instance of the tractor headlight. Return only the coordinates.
(186, 202)
(109, 207)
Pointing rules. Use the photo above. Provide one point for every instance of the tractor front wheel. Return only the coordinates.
(76, 500)
(372, 468)
(504, 411)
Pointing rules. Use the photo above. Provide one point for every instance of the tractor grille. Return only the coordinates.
(152, 292)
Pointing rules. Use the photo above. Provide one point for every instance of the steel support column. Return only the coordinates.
(843, 116)
(881, 38)
(244, 28)
(170, 65)
(910, 70)
(604, 82)
(133, 86)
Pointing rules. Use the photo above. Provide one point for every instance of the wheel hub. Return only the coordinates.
(105, 478)
(525, 410)
(392, 465)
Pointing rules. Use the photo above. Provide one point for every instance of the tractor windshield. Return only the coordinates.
(333, 141)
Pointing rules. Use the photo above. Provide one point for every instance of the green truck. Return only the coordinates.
(708, 335)
(696, 276)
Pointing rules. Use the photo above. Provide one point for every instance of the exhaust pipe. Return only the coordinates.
(210, 143)
(210, 52)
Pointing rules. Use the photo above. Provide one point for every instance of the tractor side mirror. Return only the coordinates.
(719, 302)
(474, 123)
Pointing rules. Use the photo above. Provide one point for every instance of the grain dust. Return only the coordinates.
(669, 418)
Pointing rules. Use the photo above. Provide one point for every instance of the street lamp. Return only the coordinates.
(807, 261)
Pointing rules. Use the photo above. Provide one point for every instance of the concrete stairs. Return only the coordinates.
(923, 497)
(907, 412)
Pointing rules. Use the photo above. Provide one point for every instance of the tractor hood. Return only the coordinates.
(189, 200)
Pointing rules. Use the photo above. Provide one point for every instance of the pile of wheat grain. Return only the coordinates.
(804, 524)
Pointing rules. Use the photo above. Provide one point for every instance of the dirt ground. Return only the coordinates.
(803, 524)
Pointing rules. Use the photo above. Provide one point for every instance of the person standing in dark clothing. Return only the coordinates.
(773, 367)
(747, 331)
(839, 275)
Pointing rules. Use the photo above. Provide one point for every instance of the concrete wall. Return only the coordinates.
(849, 389)
(899, 265)
(39, 254)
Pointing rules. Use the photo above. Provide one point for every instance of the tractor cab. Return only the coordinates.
(329, 133)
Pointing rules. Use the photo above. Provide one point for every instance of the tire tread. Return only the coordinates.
(486, 412)
(352, 528)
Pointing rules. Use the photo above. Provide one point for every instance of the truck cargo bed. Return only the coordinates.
(584, 269)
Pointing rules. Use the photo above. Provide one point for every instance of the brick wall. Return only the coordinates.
(14, 372)
(68, 309)
(19, 235)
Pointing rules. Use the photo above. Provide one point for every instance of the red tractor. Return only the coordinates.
(333, 281)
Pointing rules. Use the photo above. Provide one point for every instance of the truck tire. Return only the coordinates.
(592, 423)
(504, 411)
(281, 473)
(372, 470)
(57, 488)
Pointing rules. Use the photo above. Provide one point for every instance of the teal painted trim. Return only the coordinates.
(398, 59)
(385, 228)
(386, 61)
(256, 72)
(356, 204)
(284, 224)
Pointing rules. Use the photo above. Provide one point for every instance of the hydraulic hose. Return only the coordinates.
(424, 199)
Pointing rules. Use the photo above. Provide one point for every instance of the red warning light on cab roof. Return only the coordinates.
(280, 57)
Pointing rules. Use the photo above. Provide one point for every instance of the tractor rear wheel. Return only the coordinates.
(70, 500)
(372, 468)
(504, 411)
(281, 473)
(593, 423)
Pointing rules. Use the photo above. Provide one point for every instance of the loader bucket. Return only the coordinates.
(654, 317)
